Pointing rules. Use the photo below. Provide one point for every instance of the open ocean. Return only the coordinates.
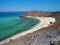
(10, 14)
(11, 23)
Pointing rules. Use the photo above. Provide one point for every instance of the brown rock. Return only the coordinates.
(36, 13)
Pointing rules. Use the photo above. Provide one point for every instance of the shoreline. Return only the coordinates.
(44, 22)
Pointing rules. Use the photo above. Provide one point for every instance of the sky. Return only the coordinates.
(29, 5)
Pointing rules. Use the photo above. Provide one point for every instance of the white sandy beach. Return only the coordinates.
(44, 22)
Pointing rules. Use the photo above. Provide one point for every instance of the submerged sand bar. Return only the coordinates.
(44, 22)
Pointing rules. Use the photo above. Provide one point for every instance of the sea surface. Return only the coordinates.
(11, 24)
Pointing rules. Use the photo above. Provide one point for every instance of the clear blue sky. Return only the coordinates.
(28, 5)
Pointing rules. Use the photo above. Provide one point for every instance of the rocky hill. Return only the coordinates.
(36, 13)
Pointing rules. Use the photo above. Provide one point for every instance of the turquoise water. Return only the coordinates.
(12, 25)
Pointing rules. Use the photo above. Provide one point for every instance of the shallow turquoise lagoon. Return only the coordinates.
(13, 25)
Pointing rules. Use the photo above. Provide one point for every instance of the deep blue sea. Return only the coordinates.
(10, 14)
